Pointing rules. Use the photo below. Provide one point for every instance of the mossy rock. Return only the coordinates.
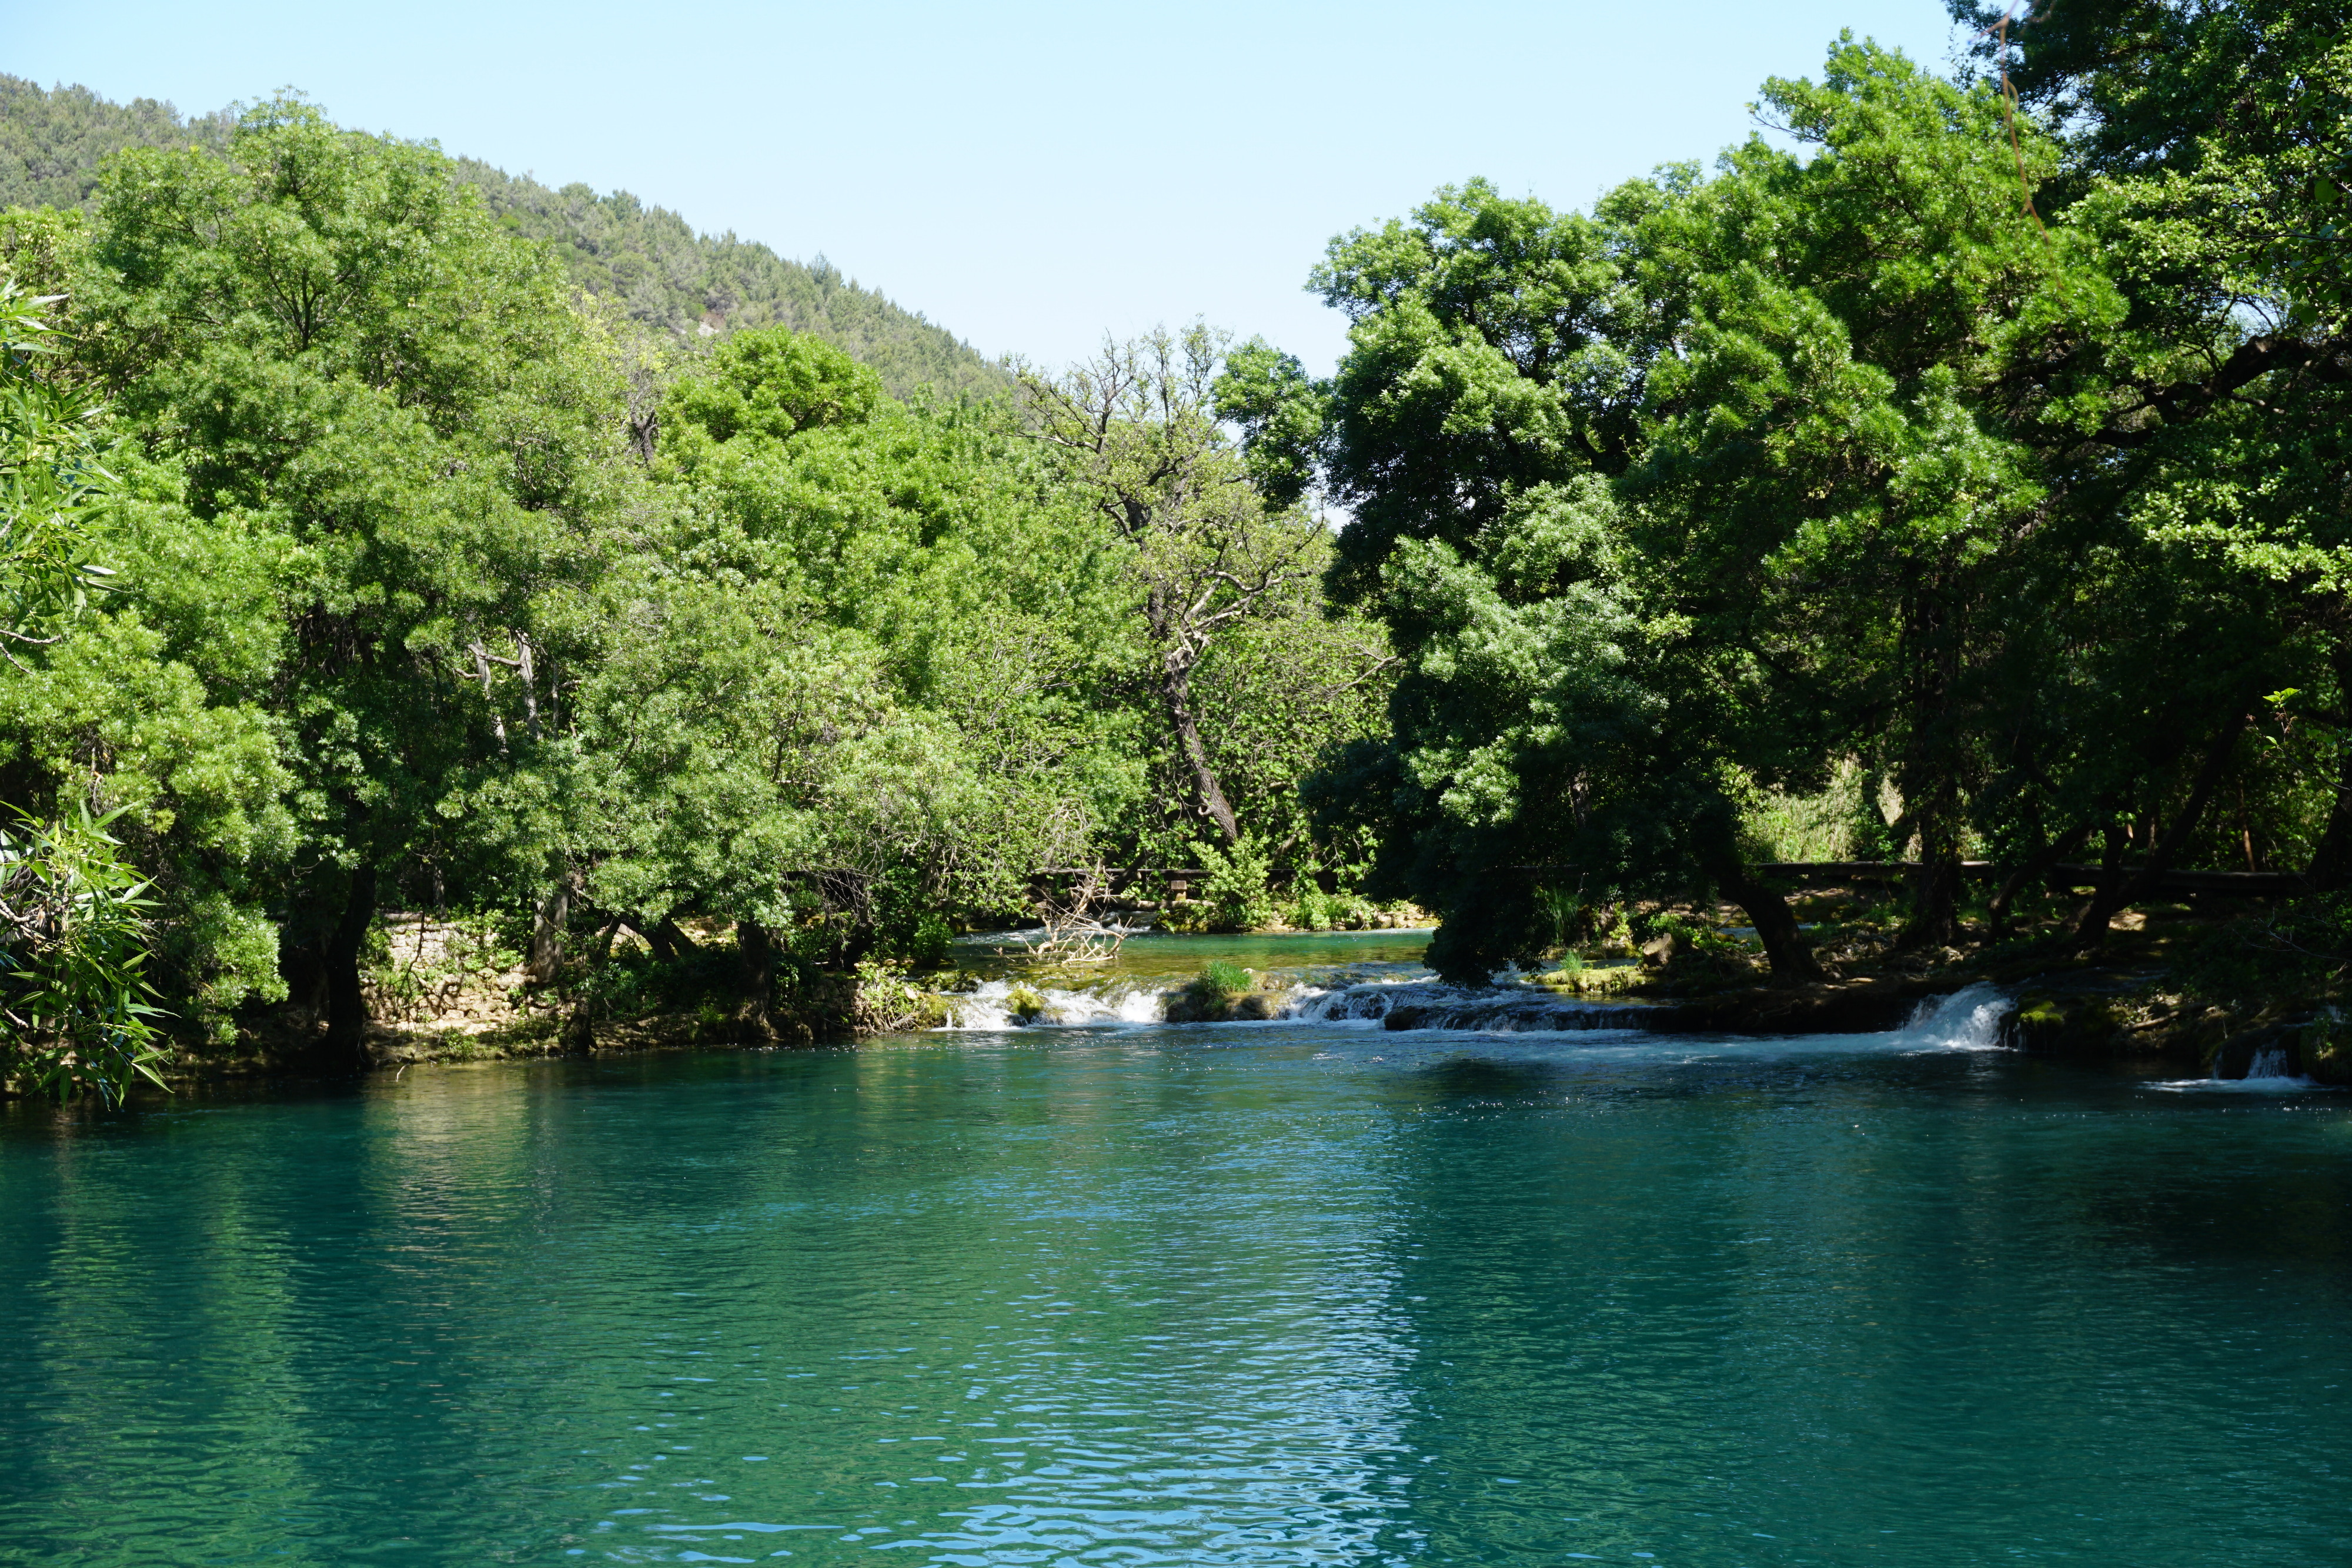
(931, 1011)
(2060, 1024)
(1220, 994)
(1188, 1004)
(1024, 1004)
(1597, 980)
(2330, 1059)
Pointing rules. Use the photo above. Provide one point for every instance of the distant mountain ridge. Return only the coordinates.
(648, 260)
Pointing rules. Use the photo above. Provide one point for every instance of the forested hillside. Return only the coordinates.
(663, 275)
(647, 259)
(51, 143)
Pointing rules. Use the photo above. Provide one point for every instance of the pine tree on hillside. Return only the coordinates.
(648, 260)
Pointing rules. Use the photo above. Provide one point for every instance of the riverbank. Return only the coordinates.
(440, 992)
(2220, 988)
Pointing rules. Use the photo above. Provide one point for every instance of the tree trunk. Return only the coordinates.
(602, 947)
(756, 951)
(547, 927)
(1791, 955)
(1935, 886)
(1176, 692)
(347, 1015)
(1935, 630)
(663, 938)
(580, 1029)
(1934, 899)
(2036, 866)
(2111, 876)
(668, 940)
(2331, 863)
(2115, 890)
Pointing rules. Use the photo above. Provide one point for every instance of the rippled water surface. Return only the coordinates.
(1276, 1294)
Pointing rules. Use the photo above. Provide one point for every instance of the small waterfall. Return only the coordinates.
(1364, 1004)
(1369, 998)
(991, 1006)
(1422, 1004)
(1408, 1001)
(2256, 1063)
(2271, 1061)
(1968, 1020)
(2255, 1067)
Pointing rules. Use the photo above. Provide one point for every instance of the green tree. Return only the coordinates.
(852, 671)
(2020, 513)
(72, 914)
(76, 1013)
(332, 342)
(1556, 730)
(2206, 157)
(1780, 406)
(1136, 436)
(1837, 481)
(143, 641)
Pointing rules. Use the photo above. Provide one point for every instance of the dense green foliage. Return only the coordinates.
(1842, 457)
(76, 1012)
(1226, 568)
(52, 143)
(1957, 478)
(647, 261)
(429, 584)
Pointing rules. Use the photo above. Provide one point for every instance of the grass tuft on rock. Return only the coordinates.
(1222, 991)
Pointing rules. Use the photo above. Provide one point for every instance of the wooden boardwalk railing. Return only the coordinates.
(2226, 883)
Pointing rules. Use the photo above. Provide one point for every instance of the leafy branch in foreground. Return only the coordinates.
(49, 474)
(73, 940)
(75, 1013)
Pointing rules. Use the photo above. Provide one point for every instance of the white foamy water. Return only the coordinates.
(1968, 1020)
(1405, 1001)
(1117, 1002)
(2268, 1073)
(1415, 1001)
(1408, 1000)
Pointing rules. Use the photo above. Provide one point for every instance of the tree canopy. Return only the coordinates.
(432, 584)
(1844, 456)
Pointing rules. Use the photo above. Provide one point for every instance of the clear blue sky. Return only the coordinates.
(1028, 174)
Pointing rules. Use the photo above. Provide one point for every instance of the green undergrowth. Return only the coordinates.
(635, 984)
(891, 1001)
(1223, 990)
(2301, 947)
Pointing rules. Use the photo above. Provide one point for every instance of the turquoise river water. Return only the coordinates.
(1111, 1292)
